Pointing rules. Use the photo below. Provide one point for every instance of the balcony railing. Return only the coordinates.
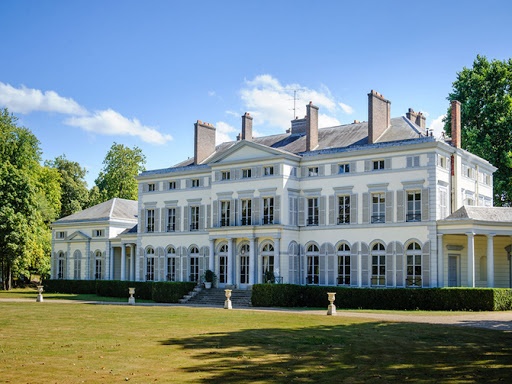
(312, 220)
(246, 221)
(413, 217)
(194, 227)
(344, 220)
(378, 219)
(268, 220)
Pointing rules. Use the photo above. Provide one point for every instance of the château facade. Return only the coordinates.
(380, 203)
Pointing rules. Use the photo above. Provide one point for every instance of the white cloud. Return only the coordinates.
(110, 122)
(25, 100)
(346, 108)
(271, 103)
(437, 125)
(222, 133)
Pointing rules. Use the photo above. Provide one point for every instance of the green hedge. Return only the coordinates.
(446, 299)
(161, 292)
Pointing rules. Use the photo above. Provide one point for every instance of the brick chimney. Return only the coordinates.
(311, 127)
(379, 118)
(417, 118)
(247, 127)
(204, 141)
(456, 124)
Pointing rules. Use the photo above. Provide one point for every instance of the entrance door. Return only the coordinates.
(223, 270)
(244, 266)
(453, 271)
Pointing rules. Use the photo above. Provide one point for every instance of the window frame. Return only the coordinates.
(343, 168)
(246, 173)
(150, 220)
(378, 165)
(245, 211)
(268, 210)
(313, 213)
(413, 206)
(268, 170)
(343, 277)
(194, 218)
(171, 219)
(378, 216)
(225, 213)
(343, 209)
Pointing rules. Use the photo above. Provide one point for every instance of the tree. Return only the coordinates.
(486, 116)
(118, 176)
(75, 195)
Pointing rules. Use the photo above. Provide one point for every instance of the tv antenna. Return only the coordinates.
(295, 91)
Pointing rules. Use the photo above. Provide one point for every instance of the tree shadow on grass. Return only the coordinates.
(353, 353)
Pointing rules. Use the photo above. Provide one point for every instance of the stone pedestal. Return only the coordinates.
(131, 299)
(331, 309)
(227, 303)
(39, 294)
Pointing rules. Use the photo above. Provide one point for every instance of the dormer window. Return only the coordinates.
(246, 173)
(151, 187)
(195, 183)
(378, 165)
(312, 171)
(226, 175)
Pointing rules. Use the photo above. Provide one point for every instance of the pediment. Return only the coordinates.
(247, 151)
(78, 235)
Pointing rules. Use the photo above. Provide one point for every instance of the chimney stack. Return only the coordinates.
(311, 127)
(204, 141)
(417, 118)
(379, 118)
(456, 124)
(247, 127)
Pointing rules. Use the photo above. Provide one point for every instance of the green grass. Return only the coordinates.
(75, 343)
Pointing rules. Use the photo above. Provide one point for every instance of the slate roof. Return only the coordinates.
(494, 214)
(120, 209)
(342, 137)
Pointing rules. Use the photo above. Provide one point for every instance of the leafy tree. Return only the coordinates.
(121, 167)
(486, 117)
(75, 195)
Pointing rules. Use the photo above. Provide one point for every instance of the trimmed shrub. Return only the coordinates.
(446, 299)
(166, 292)
(70, 286)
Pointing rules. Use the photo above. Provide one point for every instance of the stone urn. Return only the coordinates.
(331, 309)
(39, 294)
(227, 303)
(131, 299)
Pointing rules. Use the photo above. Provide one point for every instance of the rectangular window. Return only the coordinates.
(246, 173)
(413, 270)
(441, 161)
(378, 165)
(293, 172)
(98, 233)
(171, 220)
(150, 220)
(413, 206)
(151, 187)
(343, 269)
(268, 170)
(77, 269)
(378, 208)
(225, 175)
(195, 183)
(194, 218)
(313, 271)
(246, 211)
(60, 235)
(378, 270)
(344, 209)
(268, 210)
(443, 202)
(150, 269)
(312, 171)
(225, 211)
(172, 184)
(344, 168)
(313, 211)
(413, 161)
(97, 275)
(171, 269)
(293, 203)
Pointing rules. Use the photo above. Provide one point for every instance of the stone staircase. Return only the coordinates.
(215, 297)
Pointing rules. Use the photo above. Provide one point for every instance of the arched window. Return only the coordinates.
(244, 264)
(378, 265)
(267, 263)
(413, 265)
(77, 256)
(223, 264)
(150, 264)
(313, 264)
(61, 260)
(344, 264)
(194, 263)
(171, 264)
(98, 265)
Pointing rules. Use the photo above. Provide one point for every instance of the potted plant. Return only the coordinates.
(209, 278)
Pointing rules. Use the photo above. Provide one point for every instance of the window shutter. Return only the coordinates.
(157, 220)
(290, 210)
(201, 217)
(416, 161)
(208, 216)
(323, 261)
(302, 215)
(400, 209)
(215, 213)
(425, 265)
(142, 221)
(178, 218)
(322, 210)
(188, 183)
(277, 210)
(389, 207)
(424, 204)
(321, 170)
(367, 165)
(390, 273)
(236, 173)
(409, 162)
(303, 172)
(353, 209)
(352, 166)
(387, 163)
(331, 210)
(163, 219)
(232, 213)
(366, 207)
(201, 181)
(399, 252)
(277, 169)
(254, 172)
(334, 169)
(353, 266)
(185, 218)
(256, 211)
(365, 255)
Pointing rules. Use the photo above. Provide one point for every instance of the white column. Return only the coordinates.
(123, 262)
(211, 260)
(471, 259)
(490, 260)
(359, 266)
(111, 262)
(277, 257)
(440, 261)
(132, 261)
(231, 263)
(252, 261)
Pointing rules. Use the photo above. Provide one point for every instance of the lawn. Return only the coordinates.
(76, 343)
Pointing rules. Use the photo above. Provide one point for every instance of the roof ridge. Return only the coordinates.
(110, 214)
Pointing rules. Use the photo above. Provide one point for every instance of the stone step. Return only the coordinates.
(216, 297)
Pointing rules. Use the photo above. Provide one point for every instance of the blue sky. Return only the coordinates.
(82, 75)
